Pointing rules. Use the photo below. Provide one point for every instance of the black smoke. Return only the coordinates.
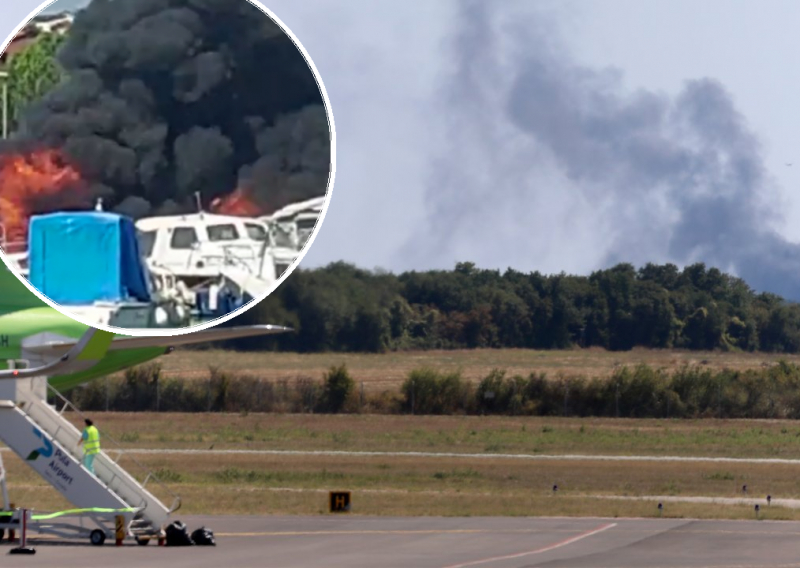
(165, 98)
(551, 155)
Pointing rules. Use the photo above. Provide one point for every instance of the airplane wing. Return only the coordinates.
(56, 344)
(83, 354)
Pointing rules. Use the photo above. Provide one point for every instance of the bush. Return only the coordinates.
(497, 395)
(338, 388)
(427, 391)
(639, 392)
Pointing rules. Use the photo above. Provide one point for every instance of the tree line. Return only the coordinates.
(343, 308)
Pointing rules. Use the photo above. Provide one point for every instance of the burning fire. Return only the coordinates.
(238, 203)
(41, 179)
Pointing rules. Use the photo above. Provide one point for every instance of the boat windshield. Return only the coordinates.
(256, 232)
(225, 232)
(283, 235)
(305, 227)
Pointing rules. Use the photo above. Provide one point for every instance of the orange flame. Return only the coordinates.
(41, 179)
(238, 204)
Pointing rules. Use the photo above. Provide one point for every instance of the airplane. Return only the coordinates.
(48, 341)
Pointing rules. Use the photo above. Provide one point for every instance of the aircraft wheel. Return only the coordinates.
(142, 541)
(97, 537)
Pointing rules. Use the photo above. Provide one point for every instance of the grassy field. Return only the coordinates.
(442, 485)
(445, 485)
(465, 434)
(387, 371)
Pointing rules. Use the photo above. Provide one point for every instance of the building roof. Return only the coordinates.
(47, 23)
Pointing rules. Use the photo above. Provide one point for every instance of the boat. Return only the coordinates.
(226, 261)
(290, 228)
(162, 271)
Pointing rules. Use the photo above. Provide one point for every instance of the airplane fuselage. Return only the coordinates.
(16, 326)
(32, 331)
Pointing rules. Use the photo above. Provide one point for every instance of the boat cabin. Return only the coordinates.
(195, 247)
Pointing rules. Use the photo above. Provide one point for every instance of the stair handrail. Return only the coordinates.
(55, 433)
(176, 503)
(75, 456)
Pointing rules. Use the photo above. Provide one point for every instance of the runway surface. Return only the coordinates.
(435, 542)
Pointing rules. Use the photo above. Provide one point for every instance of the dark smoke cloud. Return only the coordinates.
(544, 149)
(165, 98)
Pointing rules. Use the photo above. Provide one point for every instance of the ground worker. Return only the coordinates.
(90, 438)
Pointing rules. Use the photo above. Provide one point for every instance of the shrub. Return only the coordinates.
(338, 386)
(427, 391)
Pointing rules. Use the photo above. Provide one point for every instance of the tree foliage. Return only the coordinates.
(33, 72)
(343, 308)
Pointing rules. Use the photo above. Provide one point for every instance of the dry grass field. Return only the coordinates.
(263, 485)
(446, 485)
(387, 371)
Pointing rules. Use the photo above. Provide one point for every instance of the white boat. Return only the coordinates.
(224, 260)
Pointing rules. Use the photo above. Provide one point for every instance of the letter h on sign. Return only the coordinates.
(340, 501)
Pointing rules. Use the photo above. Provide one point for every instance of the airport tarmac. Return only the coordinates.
(436, 542)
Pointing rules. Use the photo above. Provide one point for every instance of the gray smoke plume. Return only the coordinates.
(551, 158)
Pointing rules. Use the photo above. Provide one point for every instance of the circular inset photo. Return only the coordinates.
(165, 165)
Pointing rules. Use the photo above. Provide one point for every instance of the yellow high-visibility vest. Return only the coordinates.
(92, 443)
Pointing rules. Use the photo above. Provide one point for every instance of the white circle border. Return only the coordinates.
(171, 332)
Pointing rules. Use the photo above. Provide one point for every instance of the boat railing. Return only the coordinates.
(238, 255)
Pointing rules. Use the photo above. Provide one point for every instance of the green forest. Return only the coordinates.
(342, 308)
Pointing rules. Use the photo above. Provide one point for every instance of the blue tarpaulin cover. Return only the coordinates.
(86, 257)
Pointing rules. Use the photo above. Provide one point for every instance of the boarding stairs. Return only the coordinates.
(41, 436)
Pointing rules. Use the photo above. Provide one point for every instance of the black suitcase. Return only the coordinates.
(178, 535)
(204, 537)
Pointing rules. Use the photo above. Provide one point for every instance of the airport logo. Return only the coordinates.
(46, 450)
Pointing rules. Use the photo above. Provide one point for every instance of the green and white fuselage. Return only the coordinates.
(17, 326)
(33, 332)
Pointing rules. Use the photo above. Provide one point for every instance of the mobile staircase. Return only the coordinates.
(44, 439)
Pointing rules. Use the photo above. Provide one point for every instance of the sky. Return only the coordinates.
(556, 135)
